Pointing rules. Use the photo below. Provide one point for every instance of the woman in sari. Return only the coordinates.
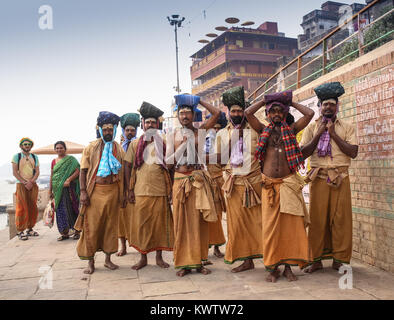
(64, 189)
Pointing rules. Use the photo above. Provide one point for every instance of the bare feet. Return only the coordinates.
(206, 263)
(217, 252)
(159, 260)
(203, 270)
(142, 263)
(109, 264)
(314, 267)
(287, 273)
(247, 265)
(183, 272)
(90, 268)
(336, 265)
(273, 276)
(122, 250)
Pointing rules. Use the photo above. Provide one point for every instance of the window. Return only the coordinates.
(239, 43)
(272, 46)
(242, 69)
(256, 44)
(321, 27)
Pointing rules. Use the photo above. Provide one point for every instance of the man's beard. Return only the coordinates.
(129, 137)
(107, 138)
(237, 119)
(329, 115)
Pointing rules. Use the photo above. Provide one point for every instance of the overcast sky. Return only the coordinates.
(106, 55)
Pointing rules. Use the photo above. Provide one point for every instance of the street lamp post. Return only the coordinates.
(176, 21)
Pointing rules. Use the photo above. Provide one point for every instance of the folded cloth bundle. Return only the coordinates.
(106, 117)
(130, 119)
(283, 99)
(187, 100)
(329, 90)
(148, 110)
(234, 96)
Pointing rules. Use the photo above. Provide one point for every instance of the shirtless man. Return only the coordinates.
(281, 157)
(190, 218)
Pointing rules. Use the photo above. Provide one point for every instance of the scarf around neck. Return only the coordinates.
(294, 156)
(160, 149)
(108, 163)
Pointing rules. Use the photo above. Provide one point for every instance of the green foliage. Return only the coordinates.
(379, 29)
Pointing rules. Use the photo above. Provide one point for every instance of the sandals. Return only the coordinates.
(76, 236)
(61, 238)
(32, 233)
(22, 236)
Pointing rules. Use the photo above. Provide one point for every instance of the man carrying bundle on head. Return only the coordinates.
(331, 143)
(242, 183)
(129, 123)
(216, 234)
(26, 169)
(101, 181)
(193, 200)
(284, 213)
(149, 184)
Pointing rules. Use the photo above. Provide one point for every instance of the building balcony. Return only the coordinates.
(231, 52)
(215, 83)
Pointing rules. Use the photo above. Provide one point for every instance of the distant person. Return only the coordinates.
(101, 182)
(25, 168)
(129, 123)
(64, 189)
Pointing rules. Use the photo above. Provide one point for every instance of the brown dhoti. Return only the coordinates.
(216, 234)
(243, 226)
(190, 227)
(26, 211)
(330, 232)
(100, 222)
(125, 215)
(285, 240)
(151, 226)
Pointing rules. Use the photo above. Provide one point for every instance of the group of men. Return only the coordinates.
(168, 191)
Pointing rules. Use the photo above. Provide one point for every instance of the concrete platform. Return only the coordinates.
(23, 264)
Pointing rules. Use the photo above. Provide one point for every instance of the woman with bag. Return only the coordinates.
(64, 190)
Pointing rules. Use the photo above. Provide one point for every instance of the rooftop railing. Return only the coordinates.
(350, 40)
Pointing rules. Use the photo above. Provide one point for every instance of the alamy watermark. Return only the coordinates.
(45, 21)
(346, 281)
(46, 281)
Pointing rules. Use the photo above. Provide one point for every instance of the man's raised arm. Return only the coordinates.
(253, 121)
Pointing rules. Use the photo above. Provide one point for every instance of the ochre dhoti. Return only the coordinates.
(193, 209)
(243, 217)
(285, 217)
(26, 211)
(100, 222)
(125, 215)
(330, 232)
(151, 226)
(216, 234)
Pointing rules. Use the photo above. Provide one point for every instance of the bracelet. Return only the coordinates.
(82, 189)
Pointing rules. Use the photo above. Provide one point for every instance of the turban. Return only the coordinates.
(130, 119)
(148, 110)
(234, 96)
(329, 90)
(222, 119)
(283, 99)
(26, 139)
(106, 117)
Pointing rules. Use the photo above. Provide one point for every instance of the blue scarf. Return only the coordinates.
(108, 163)
(126, 142)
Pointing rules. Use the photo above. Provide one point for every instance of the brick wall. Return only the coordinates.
(369, 104)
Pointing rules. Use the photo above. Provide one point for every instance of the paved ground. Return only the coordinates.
(20, 263)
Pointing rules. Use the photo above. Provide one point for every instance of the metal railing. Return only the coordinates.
(331, 52)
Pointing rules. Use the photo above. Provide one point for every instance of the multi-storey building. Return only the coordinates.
(238, 56)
